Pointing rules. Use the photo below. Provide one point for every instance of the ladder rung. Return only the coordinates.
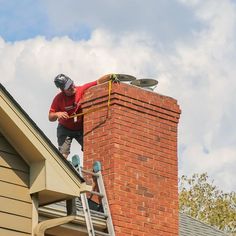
(96, 193)
(90, 172)
(101, 233)
(99, 213)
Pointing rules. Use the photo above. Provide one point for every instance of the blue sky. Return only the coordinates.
(27, 19)
(187, 45)
(22, 20)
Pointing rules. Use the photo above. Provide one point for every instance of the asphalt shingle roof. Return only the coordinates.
(189, 226)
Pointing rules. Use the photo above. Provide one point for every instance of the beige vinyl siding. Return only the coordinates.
(7, 232)
(15, 207)
(14, 222)
(15, 200)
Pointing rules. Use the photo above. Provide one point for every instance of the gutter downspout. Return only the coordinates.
(43, 226)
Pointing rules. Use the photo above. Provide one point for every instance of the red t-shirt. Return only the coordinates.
(70, 104)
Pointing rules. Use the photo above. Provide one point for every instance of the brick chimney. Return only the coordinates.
(136, 142)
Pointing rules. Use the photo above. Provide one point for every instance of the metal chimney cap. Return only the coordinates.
(145, 83)
(125, 78)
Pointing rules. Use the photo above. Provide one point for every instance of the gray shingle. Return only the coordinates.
(189, 226)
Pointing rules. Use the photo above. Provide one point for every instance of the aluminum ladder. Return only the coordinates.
(101, 193)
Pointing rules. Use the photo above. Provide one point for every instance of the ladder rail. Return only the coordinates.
(101, 193)
(105, 204)
(87, 215)
(85, 206)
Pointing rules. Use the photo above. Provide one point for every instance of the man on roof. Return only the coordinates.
(66, 104)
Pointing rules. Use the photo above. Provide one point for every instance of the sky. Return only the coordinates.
(187, 45)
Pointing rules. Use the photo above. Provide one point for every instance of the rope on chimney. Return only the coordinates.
(98, 108)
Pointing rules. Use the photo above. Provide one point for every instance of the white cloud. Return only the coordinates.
(208, 64)
(32, 65)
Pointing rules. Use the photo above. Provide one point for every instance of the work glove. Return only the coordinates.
(114, 78)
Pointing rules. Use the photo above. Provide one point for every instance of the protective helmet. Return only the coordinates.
(63, 82)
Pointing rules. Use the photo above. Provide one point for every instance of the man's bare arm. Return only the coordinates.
(104, 78)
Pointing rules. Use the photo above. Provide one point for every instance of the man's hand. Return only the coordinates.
(62, 115)
(53, 116)
(114, 78)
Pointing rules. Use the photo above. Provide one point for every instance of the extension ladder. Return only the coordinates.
(101, 193)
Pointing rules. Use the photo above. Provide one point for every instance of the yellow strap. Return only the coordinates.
(98, 108)
(109, 93)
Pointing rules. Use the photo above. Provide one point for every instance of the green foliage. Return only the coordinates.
(201, 199)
